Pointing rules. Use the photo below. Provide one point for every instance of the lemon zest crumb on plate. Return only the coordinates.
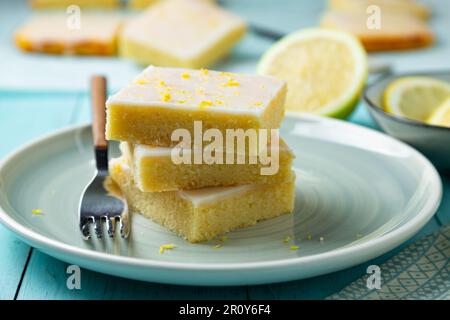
(36, 212)
(295, 248)
(165, 247)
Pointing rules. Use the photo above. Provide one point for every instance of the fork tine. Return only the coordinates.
(98, 227)
(84, 228)
(110, 226)
(123, 226)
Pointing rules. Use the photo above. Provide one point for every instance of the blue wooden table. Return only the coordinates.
(26, 273)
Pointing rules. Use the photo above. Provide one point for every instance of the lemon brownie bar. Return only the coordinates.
(142, 4)
(46, 4)
(181, 33)
(154, 169)
(397, 31)
(202, 214)
(409, 7)
(162, 100)
(50, 33)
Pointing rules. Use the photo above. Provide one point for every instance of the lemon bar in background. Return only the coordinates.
(202, 214)
(52, 32)
(162, 100)
(397, 31)
(154, 170)
(141, 4)
(181, 33)
(409, 7)
(46, 4)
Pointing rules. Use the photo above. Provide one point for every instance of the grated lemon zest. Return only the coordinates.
(231, 83)
(166, 97)
(141, 81)
(164, 247)
(205, 104)
(36, 211)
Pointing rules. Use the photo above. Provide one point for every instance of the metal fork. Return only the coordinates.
(97, 206)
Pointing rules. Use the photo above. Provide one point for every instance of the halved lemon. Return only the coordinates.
(415, 97)
(441, 116)
(325, 70)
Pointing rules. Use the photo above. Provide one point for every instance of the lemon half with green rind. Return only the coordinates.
(325, 70)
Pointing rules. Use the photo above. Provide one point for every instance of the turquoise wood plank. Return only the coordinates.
(13, 254)
(23, 117)
(46, 279)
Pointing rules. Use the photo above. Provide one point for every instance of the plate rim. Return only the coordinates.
(386, 241)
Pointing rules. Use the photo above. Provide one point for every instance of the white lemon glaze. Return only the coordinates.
(187, 89)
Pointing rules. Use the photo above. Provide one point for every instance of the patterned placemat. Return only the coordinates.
(421, 271)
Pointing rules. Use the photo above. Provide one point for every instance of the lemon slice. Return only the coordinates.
(415, 97)
(325, 70)
(441, 116)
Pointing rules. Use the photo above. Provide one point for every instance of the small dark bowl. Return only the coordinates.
(432, 141)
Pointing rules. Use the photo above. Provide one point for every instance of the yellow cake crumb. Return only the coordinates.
(117, 169)
(217, 246)
(162, 83)
(36, 211)
(219, 102)
(258, 103)
(205, 72)
(165, 247)
(182, 101)
(294, 248)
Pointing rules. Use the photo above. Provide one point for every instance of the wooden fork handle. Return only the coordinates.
(98, 101)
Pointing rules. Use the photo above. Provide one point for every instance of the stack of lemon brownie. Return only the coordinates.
(194, 156)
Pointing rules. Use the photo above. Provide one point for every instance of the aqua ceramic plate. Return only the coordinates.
(359, 191)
